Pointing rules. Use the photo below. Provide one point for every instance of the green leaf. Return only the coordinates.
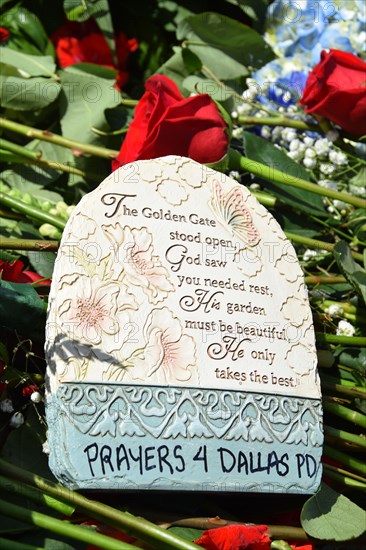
(291, 222)
(82, 10)
(255, 9)
(35, 179)
(175, 68)
(224, 45)
(95, 70)
(187, 533)
(354, 272)
(260, 150)
(354, 358)
(42, 262)
(191, 61)
(27, 94)
(83, 103)
(27, 33)
(31, 65)
(330, 516)
(20, 306)
(6, 256)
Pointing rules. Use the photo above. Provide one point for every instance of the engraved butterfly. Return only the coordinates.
(232, 212)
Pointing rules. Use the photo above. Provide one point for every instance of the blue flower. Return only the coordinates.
(288, 89)
(302, 34)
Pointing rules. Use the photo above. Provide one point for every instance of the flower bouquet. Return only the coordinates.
(272, 94)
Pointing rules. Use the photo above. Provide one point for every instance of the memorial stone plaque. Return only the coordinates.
(180, 344)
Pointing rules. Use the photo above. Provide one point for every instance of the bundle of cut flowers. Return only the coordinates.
(272, 94)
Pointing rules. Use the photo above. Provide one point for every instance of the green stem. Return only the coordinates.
(344, 412)
(320, 245)
(345, 480)
(19, 150)
(36, 495)
(358, 393)
(324, 280)
(54, 165)
(45, 135)
(28, 244)
(340, 382)
(128, 102)
(277, 121)
(141, 528)
(345, 472)
(347, 437)
(15, 545)
(63, 527)
(30, 211)
(239, 162)
(345, 459)
(267, 200)
(358, 341)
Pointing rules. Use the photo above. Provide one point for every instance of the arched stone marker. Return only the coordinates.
(180, 344)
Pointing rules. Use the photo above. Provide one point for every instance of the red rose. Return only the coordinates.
(14, 273)
(84, 43)
(336, 89)
(4, 34)
(166, 123)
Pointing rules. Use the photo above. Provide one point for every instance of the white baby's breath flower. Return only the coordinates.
(244, 108)
(6, 406)
(309, 254)
(309, 163)
(338, 158)
(295, 155)
(340, 205)
(289, 135)
(322, 146)
(16, 420)
(360, 191)
(235, 175)
(295, 145)
(308, 141)
(234, 114)
(329, 184)
(334, 310)
(45, 448)
(277, 132)
(310, 153)
(326, 168)
(237, 131)
(345, 328)
(36, 397)
(265, 132)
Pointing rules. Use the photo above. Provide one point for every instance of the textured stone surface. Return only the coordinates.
(179, 318)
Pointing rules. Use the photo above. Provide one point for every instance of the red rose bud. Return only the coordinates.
(236, 537)
(13, 272)
(4, 34)
(84, 43)
(336, 90)
(166, 123)
(28, 390)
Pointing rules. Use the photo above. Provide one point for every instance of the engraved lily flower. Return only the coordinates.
(137, 260)
(169, 355)
(90, 315)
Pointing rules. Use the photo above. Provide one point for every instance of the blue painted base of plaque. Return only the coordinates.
(118, 437)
